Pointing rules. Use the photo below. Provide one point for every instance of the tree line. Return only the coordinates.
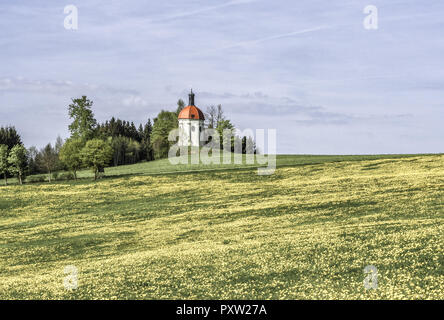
(98, 145)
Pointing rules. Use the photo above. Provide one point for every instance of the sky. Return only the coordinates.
(309, 69)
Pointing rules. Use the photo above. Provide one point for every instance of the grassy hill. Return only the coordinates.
(306, 231)
(164, 166)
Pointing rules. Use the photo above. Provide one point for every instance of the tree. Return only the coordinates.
(57, 147)
(248, 145)
(119, 145)
(9, 136)
(96, 154)
(133, 152)
(125, 150)
(115, 128)
(70, 155)
(48, 160)
(219, 114)
(180, 106)
(84, 123)
(18, 159)
(32, 160)
(221, 127)
(4, 162)
(146, 141)
(213, 116)
(210, 117)
(58, 144)
(163, 124)
(140, 132)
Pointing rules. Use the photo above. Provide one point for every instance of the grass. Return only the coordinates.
(305, 232)
(164, 166)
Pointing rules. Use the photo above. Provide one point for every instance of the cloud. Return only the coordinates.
(21, 84)
(315, 115)
(134, 101)
(260, 104)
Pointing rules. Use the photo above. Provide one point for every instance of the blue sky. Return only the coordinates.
(307, 68)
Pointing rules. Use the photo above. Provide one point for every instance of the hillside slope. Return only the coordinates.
(305, 232)
(163, 166)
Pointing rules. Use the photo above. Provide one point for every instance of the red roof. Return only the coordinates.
(191, 112)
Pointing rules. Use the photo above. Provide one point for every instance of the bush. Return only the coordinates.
(55, 175)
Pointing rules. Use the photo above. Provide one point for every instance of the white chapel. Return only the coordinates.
(191, 125)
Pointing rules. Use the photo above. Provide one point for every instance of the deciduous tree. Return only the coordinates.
(70, 155)
(84, 123)
(4, 162)
(48, 160)
(96, 154)
(227, 126)
(163, 124)
(18, 160)
(180, 106)
(33, 155)
(219, 115)
(210, 117)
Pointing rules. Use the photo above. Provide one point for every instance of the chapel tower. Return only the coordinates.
(191, 124)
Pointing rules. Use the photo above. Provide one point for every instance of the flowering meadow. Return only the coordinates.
(304, 232)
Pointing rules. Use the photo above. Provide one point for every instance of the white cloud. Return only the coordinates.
(22, 84)
(134, 101)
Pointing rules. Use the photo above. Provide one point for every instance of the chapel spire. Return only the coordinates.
(191, 98)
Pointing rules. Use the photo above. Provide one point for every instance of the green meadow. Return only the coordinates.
(164, 166)
(157, 231)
